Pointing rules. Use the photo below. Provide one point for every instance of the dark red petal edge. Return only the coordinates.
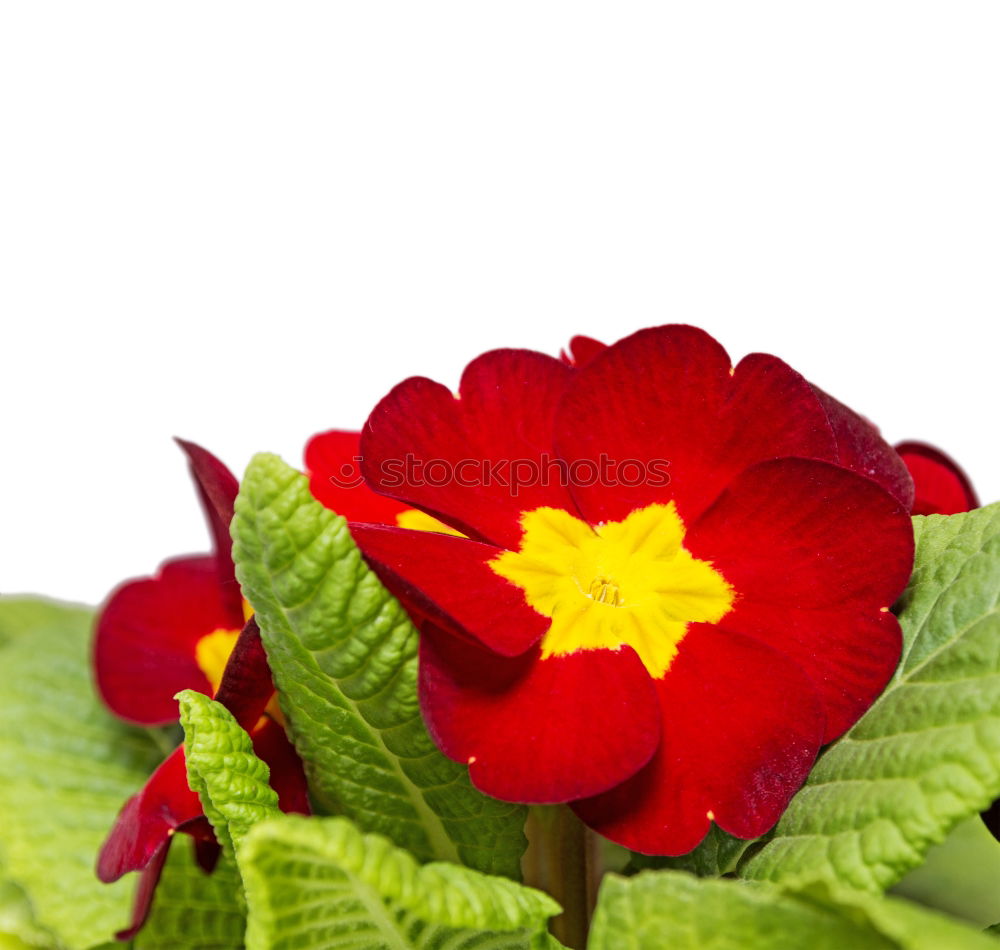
(217, 489)
(246, 686)
(164, 804)
(862, 449)
(143, 899)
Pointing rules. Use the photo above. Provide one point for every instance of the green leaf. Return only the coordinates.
(658, 909)
(193, 910)
(321, 882)
(67, 765)
(18, 927)
(927, 754)
(343, 654)
(961, 876)
(222, 768)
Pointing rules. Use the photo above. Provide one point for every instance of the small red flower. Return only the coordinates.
(186, 628)
(141, 836)
(941, 487)
(685, 602)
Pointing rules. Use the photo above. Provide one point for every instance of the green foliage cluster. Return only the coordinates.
(402, 851)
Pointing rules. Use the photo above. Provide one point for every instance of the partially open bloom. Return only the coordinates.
(681, 597)
(186, 628)
(941, 487)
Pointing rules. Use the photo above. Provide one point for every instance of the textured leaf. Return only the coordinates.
(658, 909)
(67, 768)
(222, 768)
(193, 910)
(320, 882)
(343, 653)
(927, 754)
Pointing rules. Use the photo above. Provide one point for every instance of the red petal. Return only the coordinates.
(448, 579)
(666, 398)
(941, 487)
(246, 686)
(806, 533)
(335, 479)
(797, 539)
(207, 851)
(418, 437)
(164, 804)
(288, 779)
(741, 729)
(144, 649)
(143, 899)
(862, 449)
(536, 730)
(582, 349)
(217, 490)
(849, 657)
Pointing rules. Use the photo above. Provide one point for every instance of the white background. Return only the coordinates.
(244, 223)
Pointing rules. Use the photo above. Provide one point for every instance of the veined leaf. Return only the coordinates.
(67, 765)
(193, 910)
(343, 654)
(222, 768)
(658, 909)
(320, 882)
(927, 754)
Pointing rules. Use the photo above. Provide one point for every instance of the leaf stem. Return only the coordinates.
(562, 859)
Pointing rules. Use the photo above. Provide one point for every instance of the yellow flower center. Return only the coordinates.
(212, 651)
(621, 583)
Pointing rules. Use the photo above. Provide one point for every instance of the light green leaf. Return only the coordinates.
(343, 654)
(658, 909)
(927, 754)
(67, 765)
(960, 876)
(18, 927)
(193, 910)
(320, 882)
(222, 768)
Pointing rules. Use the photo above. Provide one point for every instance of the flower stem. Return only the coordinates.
(561, 859)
